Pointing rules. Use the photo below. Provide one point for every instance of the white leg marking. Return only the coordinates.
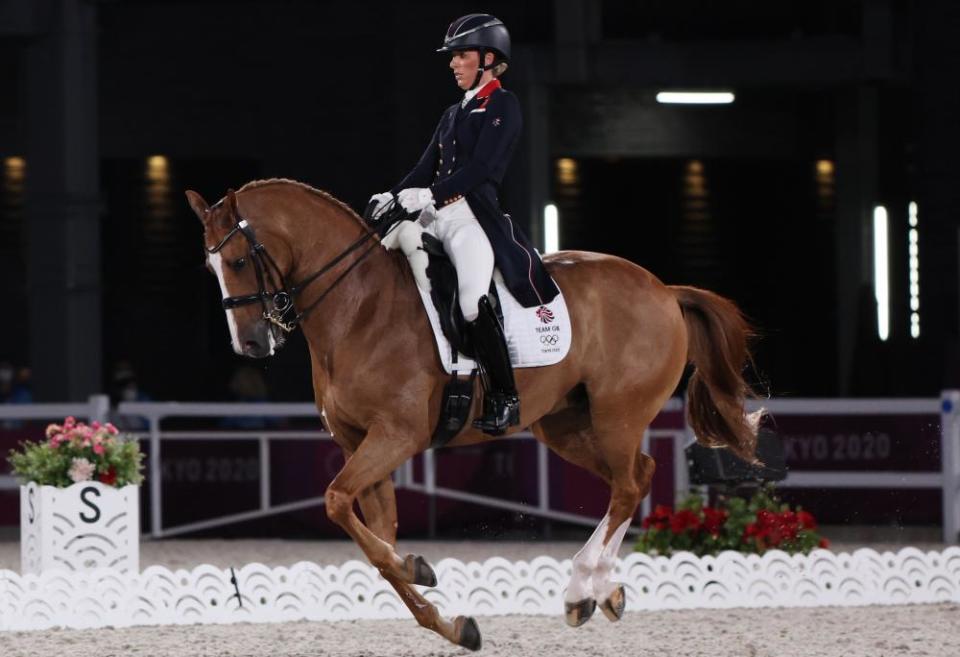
(216, 263)
(584, 563)
(602, 586)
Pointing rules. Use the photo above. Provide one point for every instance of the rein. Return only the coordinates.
(283, 295)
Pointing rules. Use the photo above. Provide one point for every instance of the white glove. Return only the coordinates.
(381, 200)
(414, 199)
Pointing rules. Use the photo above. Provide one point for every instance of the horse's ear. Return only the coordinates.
(232, 203)
(200, 207)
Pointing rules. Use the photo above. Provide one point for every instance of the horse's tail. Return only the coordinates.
(717, 335)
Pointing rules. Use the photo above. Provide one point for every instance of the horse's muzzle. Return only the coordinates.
(256, 342)
(255, 349)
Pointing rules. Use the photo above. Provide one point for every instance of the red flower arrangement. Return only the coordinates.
(754, 526)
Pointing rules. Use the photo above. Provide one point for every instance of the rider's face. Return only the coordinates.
(465, 64)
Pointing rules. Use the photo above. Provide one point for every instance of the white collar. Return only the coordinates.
(468, 96)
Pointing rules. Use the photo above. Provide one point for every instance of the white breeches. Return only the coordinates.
(465, 243)
(469, 249)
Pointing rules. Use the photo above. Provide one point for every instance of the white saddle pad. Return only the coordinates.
(535, 336)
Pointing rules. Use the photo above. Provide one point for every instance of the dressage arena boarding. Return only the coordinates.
(301, 597)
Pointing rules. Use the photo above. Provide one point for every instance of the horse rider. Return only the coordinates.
(459, 174)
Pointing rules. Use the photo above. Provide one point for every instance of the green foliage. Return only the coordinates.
(752, 525)
(76, 452)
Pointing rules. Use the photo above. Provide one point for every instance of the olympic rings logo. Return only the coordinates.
(549, 339)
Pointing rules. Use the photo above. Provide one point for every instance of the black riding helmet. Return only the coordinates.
(481, 32)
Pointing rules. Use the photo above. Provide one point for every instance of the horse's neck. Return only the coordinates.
(365, 301)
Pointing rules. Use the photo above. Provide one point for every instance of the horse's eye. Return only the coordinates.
(238, 264)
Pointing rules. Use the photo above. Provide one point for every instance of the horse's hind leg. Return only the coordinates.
(615, 456)
(619, 420)
(590, 581)
(569, 433)
(612, 595)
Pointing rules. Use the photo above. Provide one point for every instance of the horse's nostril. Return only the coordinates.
(251, 346)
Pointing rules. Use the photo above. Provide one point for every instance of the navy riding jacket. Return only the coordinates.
(467, 158)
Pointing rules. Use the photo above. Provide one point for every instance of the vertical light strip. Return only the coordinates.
(914, 255)
(551, 229)
(881, 279)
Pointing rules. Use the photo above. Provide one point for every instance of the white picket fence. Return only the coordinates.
(355, 590)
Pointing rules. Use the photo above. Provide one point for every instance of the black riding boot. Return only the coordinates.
(501, 405)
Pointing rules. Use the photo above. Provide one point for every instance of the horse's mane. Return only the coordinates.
(398, 258)
(327, 196)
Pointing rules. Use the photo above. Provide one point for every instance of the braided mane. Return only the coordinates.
(327, 196)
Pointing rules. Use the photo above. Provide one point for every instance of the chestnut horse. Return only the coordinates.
(279, 247)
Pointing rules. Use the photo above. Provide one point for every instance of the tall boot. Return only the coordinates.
(501, 404)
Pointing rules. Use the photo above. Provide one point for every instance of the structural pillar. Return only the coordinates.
(62, 203)
(857, 180)
(936, 108)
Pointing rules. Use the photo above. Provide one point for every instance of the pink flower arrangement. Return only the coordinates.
(75, 452)
(80, 434)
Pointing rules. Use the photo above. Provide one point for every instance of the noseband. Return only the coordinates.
(278, 304)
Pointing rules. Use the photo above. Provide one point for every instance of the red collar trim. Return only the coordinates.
(488, 88)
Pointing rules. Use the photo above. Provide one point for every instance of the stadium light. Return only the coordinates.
(695, 97)
(914, 262)
(881, 279)
(551, 229)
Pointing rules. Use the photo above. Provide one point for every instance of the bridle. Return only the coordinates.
(278, 304)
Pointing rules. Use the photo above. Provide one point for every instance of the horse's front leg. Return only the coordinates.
(371, 464)
(378, 503)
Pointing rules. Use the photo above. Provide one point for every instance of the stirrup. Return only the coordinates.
(500, 412)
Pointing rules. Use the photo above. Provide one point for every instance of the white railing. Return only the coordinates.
(947, 480)
(96, 408)
(156, 412)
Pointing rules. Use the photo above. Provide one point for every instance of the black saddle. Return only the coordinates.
(445, 294)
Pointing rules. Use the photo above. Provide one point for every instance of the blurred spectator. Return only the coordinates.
(14, 389)
(123, 388)
(247, 385)
(21, 392)
(124, 385)
(6, 381)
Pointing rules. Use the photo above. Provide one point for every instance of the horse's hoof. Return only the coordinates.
(419, 571)
(579, 613)
(469, 633)
(613, 606)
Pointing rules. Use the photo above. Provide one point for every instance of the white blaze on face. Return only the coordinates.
(271, 341)
(216, 264)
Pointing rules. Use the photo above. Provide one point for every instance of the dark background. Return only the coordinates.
(841, 105)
